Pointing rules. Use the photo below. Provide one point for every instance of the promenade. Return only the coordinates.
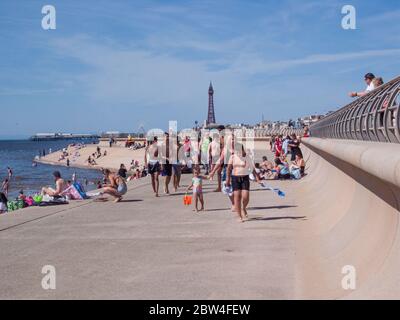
(153, 248)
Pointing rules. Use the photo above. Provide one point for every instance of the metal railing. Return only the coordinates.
(373, 117)
(259, 133)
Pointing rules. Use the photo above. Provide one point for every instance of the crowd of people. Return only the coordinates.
(283, 168)
(91, 160)
(223, 157)
(220, 156)
(133, 144)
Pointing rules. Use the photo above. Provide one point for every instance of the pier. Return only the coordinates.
(63, 136)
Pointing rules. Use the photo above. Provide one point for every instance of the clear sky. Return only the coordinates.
(116, 65)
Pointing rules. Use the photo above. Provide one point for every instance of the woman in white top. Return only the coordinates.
(240, 166)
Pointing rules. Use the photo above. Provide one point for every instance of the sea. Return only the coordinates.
(19, 155)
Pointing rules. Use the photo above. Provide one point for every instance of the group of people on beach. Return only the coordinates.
(91, 160)
(282, 168)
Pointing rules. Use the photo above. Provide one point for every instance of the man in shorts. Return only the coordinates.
(166, 166)
(151, 160)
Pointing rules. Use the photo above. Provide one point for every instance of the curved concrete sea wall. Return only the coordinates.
(351, 198)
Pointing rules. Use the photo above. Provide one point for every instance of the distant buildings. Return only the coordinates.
(309, 120)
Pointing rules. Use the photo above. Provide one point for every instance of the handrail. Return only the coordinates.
(373, 117)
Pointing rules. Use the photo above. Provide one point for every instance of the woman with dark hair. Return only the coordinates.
(239, 167)
(122, 171)
(116, 187)
(3, 203)
(294, 145)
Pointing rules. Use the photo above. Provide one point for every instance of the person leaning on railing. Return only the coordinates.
(368, 78)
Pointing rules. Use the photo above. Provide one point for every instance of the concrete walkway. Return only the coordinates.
(148, 248)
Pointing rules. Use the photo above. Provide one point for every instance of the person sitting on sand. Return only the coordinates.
(283, 158)
(138, 174)
(197, 186)
(116, 187)
(60, 186)
(282, 169)
(266, 164)
(299, 163)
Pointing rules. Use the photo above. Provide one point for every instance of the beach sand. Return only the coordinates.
(115, 156)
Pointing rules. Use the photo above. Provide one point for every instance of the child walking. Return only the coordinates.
(197, 186)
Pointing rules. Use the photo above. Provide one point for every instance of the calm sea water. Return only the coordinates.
(19, 155)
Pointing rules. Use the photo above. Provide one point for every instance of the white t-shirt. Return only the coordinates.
(370, 87)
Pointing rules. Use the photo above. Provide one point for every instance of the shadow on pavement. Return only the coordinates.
(277, 218)
(271, 207)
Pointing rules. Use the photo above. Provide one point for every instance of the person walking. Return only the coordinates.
(166, 166)
(238, 175)
(152, 161)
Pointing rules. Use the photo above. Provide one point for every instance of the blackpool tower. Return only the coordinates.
(211, 112)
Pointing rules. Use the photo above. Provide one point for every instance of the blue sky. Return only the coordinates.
(116, 65)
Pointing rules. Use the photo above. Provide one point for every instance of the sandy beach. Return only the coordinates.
(78, 157)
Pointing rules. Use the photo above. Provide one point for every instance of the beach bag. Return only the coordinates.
(37, 198)
(29, 201)
(79, 188)
(226, 190)
(20, 204)
(296, 174)
(12, 206)
(72, 193)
